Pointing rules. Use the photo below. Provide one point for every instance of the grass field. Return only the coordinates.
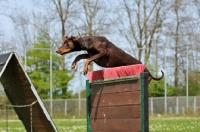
(168, 124)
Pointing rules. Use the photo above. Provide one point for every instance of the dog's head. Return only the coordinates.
(70, 44)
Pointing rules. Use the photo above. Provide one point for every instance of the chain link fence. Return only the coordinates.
(75, 108)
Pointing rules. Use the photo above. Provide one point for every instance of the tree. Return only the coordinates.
(141, 24)
(95, 19)
(61, 14)
(39, 72)
(179, 30)
(194, 83)
(156, 89)
(5, 46)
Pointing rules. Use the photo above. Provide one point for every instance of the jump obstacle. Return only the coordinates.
(117, 100)
(23, 95)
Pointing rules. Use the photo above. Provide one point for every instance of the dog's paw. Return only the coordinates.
(85, 71)
(73, 65)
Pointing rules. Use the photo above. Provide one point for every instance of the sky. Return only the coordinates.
(6, 22)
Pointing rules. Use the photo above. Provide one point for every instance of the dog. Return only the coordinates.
(101, 51)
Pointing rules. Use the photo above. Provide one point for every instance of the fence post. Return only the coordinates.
(144, 102)
(177, 105)
(195, 101)
(79, 103)
(88, 106)
(65, 107)
(151, 106)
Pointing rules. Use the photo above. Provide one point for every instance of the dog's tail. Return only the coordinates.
(154, 78)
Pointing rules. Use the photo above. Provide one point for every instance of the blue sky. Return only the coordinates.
(5, 21)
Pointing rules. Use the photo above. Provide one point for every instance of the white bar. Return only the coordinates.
(165, 85)
(187, 81)
(177, 107)
(79, 102)
(65, 107)
(51, 96)
(151, 106)
(195, 104)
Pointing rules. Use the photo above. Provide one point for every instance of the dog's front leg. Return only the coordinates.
(89, 60)
(79, 57)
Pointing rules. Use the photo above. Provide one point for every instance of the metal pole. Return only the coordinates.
(187, 81)
(79, 102)
(151, 106)
(51, 97)
(177, 105)
(51, 104)
(165, 85)
(65, 107)
(195, 104)
(25, 60)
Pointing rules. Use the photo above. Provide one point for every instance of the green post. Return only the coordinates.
(144, 102)
(88, 101)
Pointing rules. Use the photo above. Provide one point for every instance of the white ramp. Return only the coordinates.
(20, 91)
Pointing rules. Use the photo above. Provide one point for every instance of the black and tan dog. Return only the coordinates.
(103, 52)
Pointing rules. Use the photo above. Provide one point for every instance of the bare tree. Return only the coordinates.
(141, 21)
(5, 41)
(96, 18)
(61, 14)
(179, 30)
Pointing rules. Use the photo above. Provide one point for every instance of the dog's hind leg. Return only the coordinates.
(79, 57)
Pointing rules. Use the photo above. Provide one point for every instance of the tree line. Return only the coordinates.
(162, 34)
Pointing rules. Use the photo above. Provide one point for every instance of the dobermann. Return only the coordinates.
(103, 52)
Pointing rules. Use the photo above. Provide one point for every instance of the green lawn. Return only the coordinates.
(175, 124)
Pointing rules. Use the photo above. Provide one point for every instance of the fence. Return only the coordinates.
(74, 108)
(175, 105)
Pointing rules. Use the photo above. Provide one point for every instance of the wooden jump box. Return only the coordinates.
(118, 105)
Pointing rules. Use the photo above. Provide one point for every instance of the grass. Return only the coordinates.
(175, 124)
(164, 124)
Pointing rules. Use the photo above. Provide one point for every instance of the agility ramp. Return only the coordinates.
(23, 95)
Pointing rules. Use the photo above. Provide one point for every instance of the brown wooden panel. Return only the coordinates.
(125, 86)
(116, 112)
(16, 83)
(127, 98)
(37, 123)
(115, 125)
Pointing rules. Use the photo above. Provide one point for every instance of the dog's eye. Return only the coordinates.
(66, 44)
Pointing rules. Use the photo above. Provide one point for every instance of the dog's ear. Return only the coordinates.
(66, 38)
(74, 39)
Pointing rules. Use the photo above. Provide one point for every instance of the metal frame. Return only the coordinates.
(144, 102)
(88, 101)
